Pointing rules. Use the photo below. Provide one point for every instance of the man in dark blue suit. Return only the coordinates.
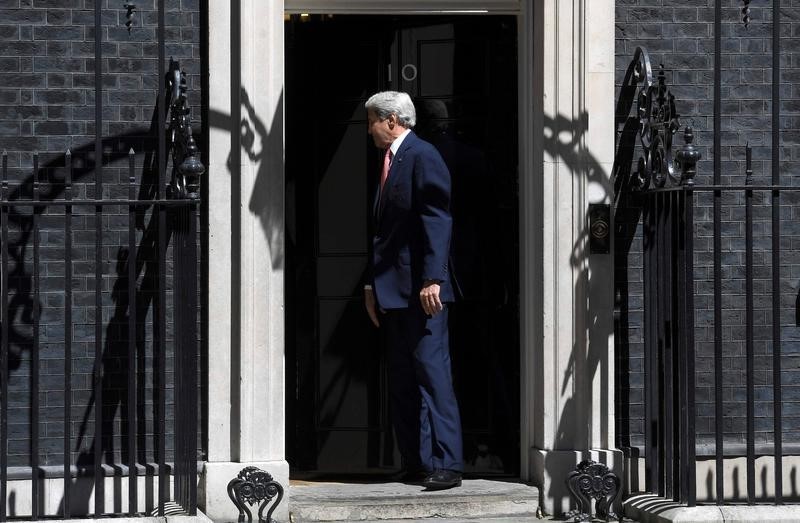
(408, 290)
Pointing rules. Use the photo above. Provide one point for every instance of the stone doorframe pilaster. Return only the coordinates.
(566, 99)
(567, 292)
(246, 256)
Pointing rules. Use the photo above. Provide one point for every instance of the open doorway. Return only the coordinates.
(461, 72)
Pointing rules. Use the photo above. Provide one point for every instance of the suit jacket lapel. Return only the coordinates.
(376, 204)
(397, 165)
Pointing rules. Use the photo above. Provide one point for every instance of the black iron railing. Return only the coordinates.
(177, 219)
(167, 309)
(670, 287)
(662, 185)
(669, 342)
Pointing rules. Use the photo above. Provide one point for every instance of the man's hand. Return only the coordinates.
(429, 297)
(369, 302)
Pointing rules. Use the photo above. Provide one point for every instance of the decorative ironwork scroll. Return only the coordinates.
(658, 121)
(252, 486)
(593, 481)
(187, 167)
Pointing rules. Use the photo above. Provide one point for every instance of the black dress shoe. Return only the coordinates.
(442, 479)
(416, 476)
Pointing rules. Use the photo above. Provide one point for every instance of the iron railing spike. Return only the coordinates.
(746, 14)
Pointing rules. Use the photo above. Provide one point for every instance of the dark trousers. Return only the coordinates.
(424, 407)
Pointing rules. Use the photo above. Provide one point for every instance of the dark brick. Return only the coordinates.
(130, 114)
(59, 80)
(58, 33)
(130, 50)
(190, 35)
(130, 65)
(63, 128)
(86, 49)
(57, 48)
(131, 97)
(683, 30)
(60, 4)
(140, 34)
(16, 112)
(179, 50)
(9, 32)
(59, 96)
(87, 81)
(8, 97)
(22, 143)
(108, 17)
(9, 64)
(129, 82)
(22, 16)
(58, 17)
(21, 80)
(87, 113)
(9, 128)
(57, 64)
(22, 48)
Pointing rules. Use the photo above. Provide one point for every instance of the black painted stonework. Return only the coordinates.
(679, 35)
(47, 102)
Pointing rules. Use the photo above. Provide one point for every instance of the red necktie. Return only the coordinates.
(387, 160)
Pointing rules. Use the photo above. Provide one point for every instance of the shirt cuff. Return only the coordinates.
(368, 287)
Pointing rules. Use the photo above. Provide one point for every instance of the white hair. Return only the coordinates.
(393, 102)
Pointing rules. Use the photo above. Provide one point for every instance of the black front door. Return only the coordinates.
(461, 73)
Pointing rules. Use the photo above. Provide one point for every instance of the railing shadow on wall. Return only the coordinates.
(627, 209)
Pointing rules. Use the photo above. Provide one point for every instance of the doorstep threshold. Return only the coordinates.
(388, 501)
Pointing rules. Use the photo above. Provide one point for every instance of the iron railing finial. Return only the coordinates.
(687, 157)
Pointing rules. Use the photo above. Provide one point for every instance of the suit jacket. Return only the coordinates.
(412, 225)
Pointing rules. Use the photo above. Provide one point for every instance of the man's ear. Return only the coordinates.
(392, 120)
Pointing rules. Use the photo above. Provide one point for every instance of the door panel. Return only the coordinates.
(333, 359)
(346, 367)
(436, 64)
(461, 72)
(341, 200)
(339, 275)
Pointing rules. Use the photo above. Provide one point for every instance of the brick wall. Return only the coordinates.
(679, 35)
(47, 105)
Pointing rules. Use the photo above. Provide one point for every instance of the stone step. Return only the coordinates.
(507, 519)
(476, 498)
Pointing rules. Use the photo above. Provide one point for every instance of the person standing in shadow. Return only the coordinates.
(407, 291)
